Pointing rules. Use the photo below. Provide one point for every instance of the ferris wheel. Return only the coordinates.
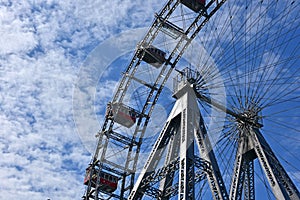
(226, 75)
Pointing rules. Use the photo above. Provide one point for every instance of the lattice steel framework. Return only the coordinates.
(184, 128)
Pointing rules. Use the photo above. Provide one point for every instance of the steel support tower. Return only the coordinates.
(184, 128)
(252, 145)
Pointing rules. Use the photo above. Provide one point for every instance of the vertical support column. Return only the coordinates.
(186, 180)
(249, 190)
(172, 154)
(214, 177)
(280, 183)
(236, 185)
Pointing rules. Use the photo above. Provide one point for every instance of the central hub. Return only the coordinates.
(249, 118)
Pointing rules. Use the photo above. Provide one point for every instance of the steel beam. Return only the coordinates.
(279, 181)
(214, 177)
(249, 190)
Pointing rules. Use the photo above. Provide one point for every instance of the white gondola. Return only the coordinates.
(170, 29)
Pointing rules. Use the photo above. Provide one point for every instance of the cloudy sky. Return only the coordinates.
(43, 44)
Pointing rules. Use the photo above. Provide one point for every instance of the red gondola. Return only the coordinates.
(108, 182)
(124, 115)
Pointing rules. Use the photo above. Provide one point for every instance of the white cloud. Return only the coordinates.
(43, 43)
(16, 35)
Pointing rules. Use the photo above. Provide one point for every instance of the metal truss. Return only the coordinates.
(183, 128)
(252, 145)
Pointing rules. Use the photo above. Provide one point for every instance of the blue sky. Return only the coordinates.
(43, 47)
